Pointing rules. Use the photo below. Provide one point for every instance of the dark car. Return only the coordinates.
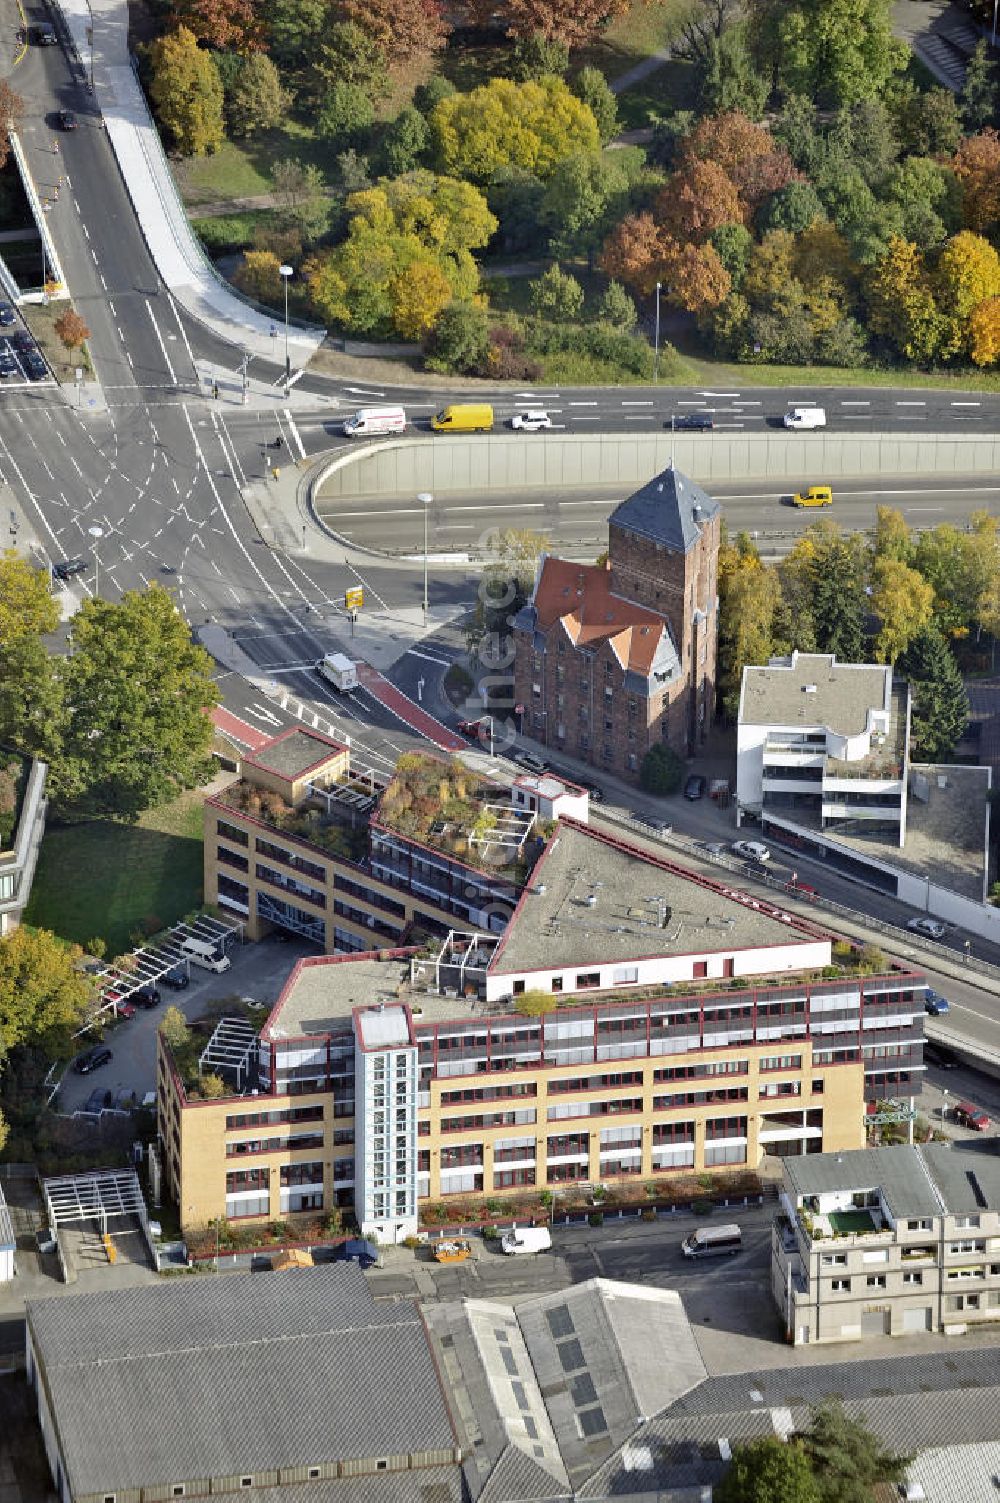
(6, 315)
(67, 120)
(147, 996)
(935, 1004)
(45, 34)
(358, 1250)
(35, 366)
(698, 422)
(93, 1059)
(67, 568)
(176, 978)
(695, 786)
(8, 364)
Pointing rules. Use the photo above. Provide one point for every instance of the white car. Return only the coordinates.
(531, 422)
(927, 926)
(751, 850)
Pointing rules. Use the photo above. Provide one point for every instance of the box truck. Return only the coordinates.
(371, 422)
(526, 1239)
(339, 671)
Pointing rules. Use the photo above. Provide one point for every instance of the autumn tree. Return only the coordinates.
(902, 306)
(258, 276)
(984, 332)
(530, 125)
(961, 564)
(747, 153)
(256, 101)
(419, 293)
(903, 601)
(698, 199)
(11, 110)
(748, 595)
(632, 251)
(977, 166)
(892, 539)
(695, 278)
(967, 274)
(186, 89)
(42, 996)
(404, 29)
(27, 607)
(224, 24)
(71, 329)
(571, 21)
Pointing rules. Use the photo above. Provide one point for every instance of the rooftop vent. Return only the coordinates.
(696, 511)
(591, 900)
(809, 688)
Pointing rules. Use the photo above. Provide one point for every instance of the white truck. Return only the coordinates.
(373, 422)
(805, 417)
(206, 954)
(339, 671)
(526, 1239)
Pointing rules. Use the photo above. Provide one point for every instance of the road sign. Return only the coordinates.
(354, 598)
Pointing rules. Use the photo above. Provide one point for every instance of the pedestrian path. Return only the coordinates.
(406, 710)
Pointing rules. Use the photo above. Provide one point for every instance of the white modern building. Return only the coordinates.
(385, 1087)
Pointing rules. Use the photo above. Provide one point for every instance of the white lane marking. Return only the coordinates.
(637, 404)
(900, 403)
(180, 326)
(850, 403)
(583, 404)
(720, 393)
(112, 307)
(170, 368)
(85, 230)
(427, 657)
(295, 433)
(966, 404)
(364, 391)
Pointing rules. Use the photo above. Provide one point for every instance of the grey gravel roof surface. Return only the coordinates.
(840, 695)
(291, 756)
(898, 1172)
(668, 509)
(308, 1368)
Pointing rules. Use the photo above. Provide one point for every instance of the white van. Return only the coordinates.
(370, 422)
(201, 952)
(526, 1239)
(805, 417)
(713, 1241)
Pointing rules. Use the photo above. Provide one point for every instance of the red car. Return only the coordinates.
(471, 728)
(125, 1009)
(971, 1116)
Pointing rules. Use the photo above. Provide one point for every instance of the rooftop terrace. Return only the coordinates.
(814, 689)
(446, 806)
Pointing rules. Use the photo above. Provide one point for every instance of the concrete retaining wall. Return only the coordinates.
(453, 462)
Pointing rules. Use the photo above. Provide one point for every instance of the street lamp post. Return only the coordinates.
(96, 533)
(285, 272)
(425, 498)
(656, 338)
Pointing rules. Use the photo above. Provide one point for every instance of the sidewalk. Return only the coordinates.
(179, 258)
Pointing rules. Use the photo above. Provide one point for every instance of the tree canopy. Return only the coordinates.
(532, 125)
(186, 89)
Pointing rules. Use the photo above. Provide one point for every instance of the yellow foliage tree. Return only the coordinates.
(186, 89)
(903, 601)
(530, 125)
(968, 274)
(901, 303)
(984, 329)
(418, 295)
(259, 276)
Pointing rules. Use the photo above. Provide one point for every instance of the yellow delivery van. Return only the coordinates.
(464, 417)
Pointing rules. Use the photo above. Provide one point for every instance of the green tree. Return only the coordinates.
(893, 538)
(769, 1470)
(734, 245)
(174, 1028)
(42, 997)
(301, 195)
(661, 770)
(979, 94)
(577, 203)
(346, 114)
(617, 308)
(962, 565)
(459, 340)
(427, 95)
(537, 55)
(137, 692)
(731, 79)
(833, 51)
(929, 195)
(187, 92)
(256, 100)
(295, 30)
(32, 708)
(592, 87)
(748, 597)
(556, 295)
(530, 125)
(405, 142)
(27, 607)
(792, 208)
(505, 587)
(940, 708)
(839, 602)
(348, 55)
(929, 123)
(847, 1460)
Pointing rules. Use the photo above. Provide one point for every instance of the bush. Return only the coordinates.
(617, 308)
(459, 341)
(537, 55)
(596, 1218)
(428, 94)
(661, 771)
(556, 295)
(506, 359)
(621, 353)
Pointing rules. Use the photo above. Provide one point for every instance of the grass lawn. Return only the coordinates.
(108, 879)
(242, 169)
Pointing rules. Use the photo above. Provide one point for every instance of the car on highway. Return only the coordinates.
(68, 568)
(693, 422)
(928, 927)
(813, 495)
(751, 850)
(67, 120)
(533, 421)
(530, 762)
(971, 1116)
(8, 364)
(176, 978)
(934, 1004)
(92, 1059)
(6, 315)
(695, 786)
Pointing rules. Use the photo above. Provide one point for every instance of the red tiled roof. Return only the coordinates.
(580, 596)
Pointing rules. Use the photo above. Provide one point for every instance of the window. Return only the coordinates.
(875, 1281)
(587, 979)
(178, 1490)
(919, 1226)
(841, 1286)
(966, 1246)
(246, 1482)
(966, 1222)
(818, 1087)
(913, 1278)
(382, 1464)
(313, 1473)
(834, 1260)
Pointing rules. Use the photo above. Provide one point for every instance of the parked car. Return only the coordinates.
(67, 120)
(148, 996)
(176, 978)
(929, 927)
(92, 1059)
(971, 1116)
(751, 850)
(359, 1250)
(530, 762)
(6, 315)
(8, 364)
(34, 365)
(125, 1009)
(695, 786)
(935, 1004)
(472, 728)
(531, 422)
(68, 568)
(698, 422)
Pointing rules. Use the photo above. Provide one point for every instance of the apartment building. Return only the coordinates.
(634, 1019)
(22, 825)
(823, 761)
(887, 1242)
(612, 659)
(303, 842)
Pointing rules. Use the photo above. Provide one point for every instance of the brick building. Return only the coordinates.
(611, 659)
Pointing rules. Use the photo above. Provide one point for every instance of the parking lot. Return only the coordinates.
(21, 361)
(258, 971)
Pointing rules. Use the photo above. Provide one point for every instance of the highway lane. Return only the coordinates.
(578, 515)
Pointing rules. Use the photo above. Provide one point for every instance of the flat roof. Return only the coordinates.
(899, 1172)
(595, 898)
(383, 1027)
(845, 693)
(294, 753)
(323, 992)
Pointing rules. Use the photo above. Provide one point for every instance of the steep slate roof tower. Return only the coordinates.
(612, 659)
